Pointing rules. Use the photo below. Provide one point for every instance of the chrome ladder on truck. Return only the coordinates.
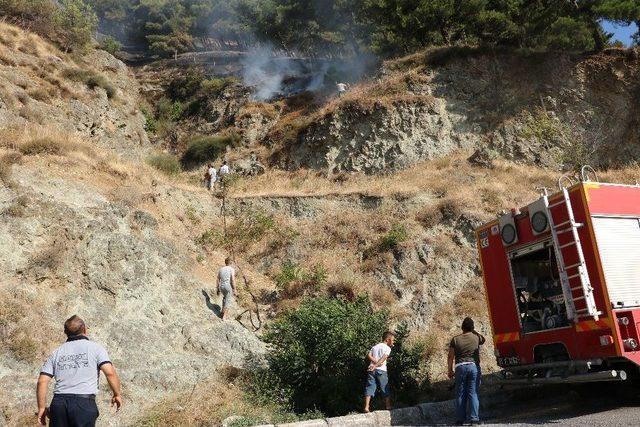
(576, 286)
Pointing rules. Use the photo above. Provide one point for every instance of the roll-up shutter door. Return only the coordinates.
(619, 245)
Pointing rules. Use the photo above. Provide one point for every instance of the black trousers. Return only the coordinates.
(68, 410)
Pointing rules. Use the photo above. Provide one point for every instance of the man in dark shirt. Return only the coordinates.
(464, 364)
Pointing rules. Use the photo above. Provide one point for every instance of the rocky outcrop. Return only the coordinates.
(75, 250)
(384, 137)
(546, 109)
(95, 96)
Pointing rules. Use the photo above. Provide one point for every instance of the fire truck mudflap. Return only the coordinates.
(562, 283)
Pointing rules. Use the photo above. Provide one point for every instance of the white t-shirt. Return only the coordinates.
(341, 87)
(378, 351)
(212, 173)
(224, 169)
(224, 274)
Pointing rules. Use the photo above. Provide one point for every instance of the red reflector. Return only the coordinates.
(606, 340)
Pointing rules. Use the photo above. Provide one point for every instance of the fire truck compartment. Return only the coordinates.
(541, 303)
(619, 246)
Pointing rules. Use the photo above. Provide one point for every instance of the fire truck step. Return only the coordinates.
(562, 224)
(569, 267)
(564, 231)
(566, 245)
(561, 202)
(573, 276)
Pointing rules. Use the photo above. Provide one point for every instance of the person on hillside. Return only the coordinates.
(213, 176)
(463, 363)
(377, 378)
(223, 172)
(226, 284)
(342, 89)
(207, 176)
(76, 367)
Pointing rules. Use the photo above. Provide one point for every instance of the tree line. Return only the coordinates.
(346, 27)
(335, 27)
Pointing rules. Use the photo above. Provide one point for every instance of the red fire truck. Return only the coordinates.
(562, 282)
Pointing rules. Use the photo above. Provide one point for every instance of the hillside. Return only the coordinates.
(88, 227)
(84, 231)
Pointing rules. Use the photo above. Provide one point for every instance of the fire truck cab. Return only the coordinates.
(562, 282)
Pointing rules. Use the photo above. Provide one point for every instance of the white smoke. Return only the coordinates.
(271, 73)
(266, 72)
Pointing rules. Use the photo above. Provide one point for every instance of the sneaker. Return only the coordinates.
(476, 423)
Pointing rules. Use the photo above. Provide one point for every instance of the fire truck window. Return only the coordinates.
(538, 291)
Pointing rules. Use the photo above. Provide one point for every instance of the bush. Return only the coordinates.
(206, 149)
(389, 241)
(318, 355)
(91, 79)
(246, 230)
(76, 23)
(110, 45)
(294, 281)
(97, 80)
(150, 123)
(43, 146)
(165, 163)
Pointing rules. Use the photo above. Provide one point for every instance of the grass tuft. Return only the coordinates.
(165, 163)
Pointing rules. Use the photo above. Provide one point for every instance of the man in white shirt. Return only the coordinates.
(377, 377)
(342, 88)
(224, 169)
(213, 176)
(226, 284)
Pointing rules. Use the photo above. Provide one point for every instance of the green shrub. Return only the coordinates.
(318, 355)
(110, 45)
(246, 230)
(150, 123)
(170, 110)
(389, 241)
(166, 163)
(76, 24)
(294, 281)
(205, 149)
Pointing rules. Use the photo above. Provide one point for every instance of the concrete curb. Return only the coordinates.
(423, 414)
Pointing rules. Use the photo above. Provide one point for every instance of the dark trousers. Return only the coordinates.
(67, 410)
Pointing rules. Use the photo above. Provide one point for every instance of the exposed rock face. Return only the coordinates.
(42, 85)
(76, 251)
(544, 109)
(382, 138)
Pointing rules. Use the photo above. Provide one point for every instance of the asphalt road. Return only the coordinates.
(593, 405)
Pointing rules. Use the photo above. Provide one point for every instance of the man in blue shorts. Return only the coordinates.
(377, 377)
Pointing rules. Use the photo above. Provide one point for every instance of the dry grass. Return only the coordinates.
(267, 110)
(7, 160)
(209, 403)
(39, 140)
(17, 207)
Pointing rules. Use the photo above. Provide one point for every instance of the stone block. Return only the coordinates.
(383, 418)
(437, 412)
(353, 420)
(411, 416)
(308, 423)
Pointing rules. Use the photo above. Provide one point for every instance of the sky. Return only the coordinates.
(620, 32)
